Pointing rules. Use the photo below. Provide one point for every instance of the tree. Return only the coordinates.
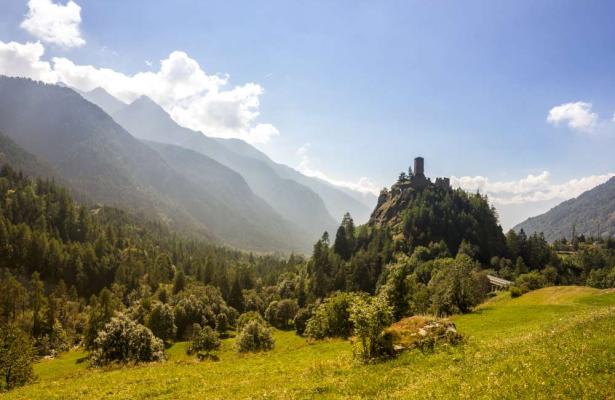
(331, 318)
(221, 324)
(161, 321)
(254, 337)
(301, 319)
(204, 340)
(369, 316)
(458, 286)
(179, 282)
(16, 357)
(38, 302)
(124, 340)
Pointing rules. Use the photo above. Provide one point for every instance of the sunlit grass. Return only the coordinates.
(553, 343)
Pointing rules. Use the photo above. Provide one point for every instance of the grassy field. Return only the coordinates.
(556, 342)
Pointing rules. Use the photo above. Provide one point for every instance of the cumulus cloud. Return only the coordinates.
(579, 116)
(54, 23)
(531, 189)
(193, 98)
(362, 185)
(18, 59)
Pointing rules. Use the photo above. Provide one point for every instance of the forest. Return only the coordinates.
(124, 288)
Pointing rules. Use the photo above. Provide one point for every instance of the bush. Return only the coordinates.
(54, 342)
(162, 322)
(515, 291)
(221, 324)
(250, 316)
(332, 317)
(254, 337)
(281, 313)
(530, 281)
(458, 287)
(204, 340)
(602, 278)
(124, 340)
(16, 357)
(370, 316)
(301, 319)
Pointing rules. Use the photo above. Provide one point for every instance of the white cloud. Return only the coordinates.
(54, 23)
(531, 189)
(192, 97)
(579, 116)
(362, 185)
(18, 59)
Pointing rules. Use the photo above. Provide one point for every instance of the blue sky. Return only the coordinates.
(363, 87)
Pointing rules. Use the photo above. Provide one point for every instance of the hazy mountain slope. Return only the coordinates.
(592, 213)
(103, 99)
(295, 202)
(227, 202)
(337, 200)
(19, 159)
(98, 157)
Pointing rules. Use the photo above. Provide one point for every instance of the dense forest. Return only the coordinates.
(101, 278)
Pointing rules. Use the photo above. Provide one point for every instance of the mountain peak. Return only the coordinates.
(104, 100)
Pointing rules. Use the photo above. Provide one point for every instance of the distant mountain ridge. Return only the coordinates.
(295, 202)
(146, 119)
(592, 214)
(97, 157)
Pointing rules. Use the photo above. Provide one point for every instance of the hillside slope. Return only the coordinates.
(97, 157)
(295, 202)
(555, 342)
(592, 214)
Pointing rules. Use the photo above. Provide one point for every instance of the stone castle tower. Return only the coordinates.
(419, 166)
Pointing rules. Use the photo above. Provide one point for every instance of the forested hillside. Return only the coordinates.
(99, 159)
(590, 214)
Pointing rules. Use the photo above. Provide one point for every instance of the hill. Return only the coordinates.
(592, 214)
(555, 342)
(295, 202)
(98, 158)
(418, 212)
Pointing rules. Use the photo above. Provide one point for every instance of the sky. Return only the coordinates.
(514, 99)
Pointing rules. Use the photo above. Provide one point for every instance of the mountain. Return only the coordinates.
(297, 203)
(591, 214)
(21, 160)
(103, 99)
(99, 158)
(338, 201)
(226, 201)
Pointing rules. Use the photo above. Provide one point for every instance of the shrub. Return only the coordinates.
(16, 356)
(204, 340)
(530, 281)
(515, 291)
(332, 317)
(53, 342)
(370, 316)
(249, 316)
(124, 340)
(221, 324)
(301, 319)
(281, 313)
(254, 337)
(458, 287)
(162, 322)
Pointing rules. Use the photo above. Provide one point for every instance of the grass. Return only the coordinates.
(553, 343)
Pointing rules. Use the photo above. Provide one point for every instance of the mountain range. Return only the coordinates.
(136, 157)
(591, 214)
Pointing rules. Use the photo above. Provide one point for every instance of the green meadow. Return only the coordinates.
(557, 342)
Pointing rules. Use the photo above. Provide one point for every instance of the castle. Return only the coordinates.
(415, 179)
